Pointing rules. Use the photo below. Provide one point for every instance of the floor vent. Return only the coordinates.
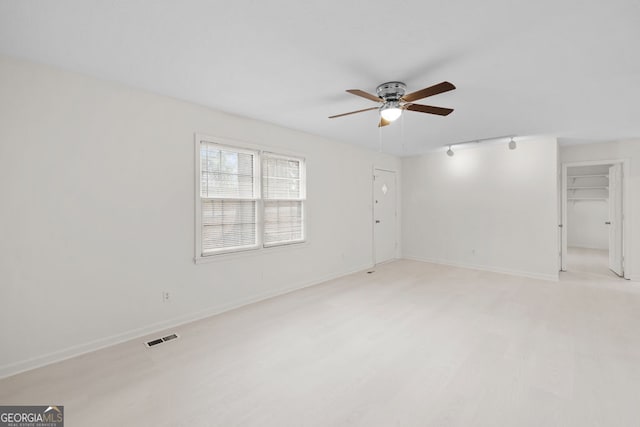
(154, 342)
(170, 337)
(157, 341)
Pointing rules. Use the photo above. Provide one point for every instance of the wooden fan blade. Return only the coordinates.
(353, 112)
(429, 109)
(364, 94)
(383, 122)
(429, 91)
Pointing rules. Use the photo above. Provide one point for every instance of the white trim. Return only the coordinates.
(261, 251)
(152, 330)
(197, 200)
(303, 197)
(519, 273)
(373, 213)
(228, 250)
(626, 211)
(233, 142)
(284, 242)
(237, 148)
(284, 156)
(257, 152)
(563, 219)
(387, 262)
(198, 254)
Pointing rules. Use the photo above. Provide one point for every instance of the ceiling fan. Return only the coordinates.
(393, 101)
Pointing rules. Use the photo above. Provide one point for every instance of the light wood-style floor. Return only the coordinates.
(593, 261)
(413, 344)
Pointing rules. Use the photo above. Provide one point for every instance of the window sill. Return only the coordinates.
(227, 256)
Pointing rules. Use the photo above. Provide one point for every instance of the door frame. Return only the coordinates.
(373, 212)
(625, 209)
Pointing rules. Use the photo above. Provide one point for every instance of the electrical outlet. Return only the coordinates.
(166, 297)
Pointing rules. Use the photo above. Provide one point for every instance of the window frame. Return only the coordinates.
(258, 152)
(256, 169)
(302, 198)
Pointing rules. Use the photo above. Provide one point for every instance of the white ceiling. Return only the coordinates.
(566, 68)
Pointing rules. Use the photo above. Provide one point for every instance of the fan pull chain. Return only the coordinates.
(402, 133)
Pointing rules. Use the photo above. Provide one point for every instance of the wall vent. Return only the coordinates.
(157, 341)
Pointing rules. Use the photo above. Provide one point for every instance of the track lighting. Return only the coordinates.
(512, 143)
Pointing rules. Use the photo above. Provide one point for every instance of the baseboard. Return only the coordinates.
(519, 273)
(78, 350)
(587, 247)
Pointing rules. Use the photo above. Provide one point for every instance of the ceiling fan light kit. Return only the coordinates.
(390, 111)
(393, 99)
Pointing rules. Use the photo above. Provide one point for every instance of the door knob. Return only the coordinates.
(608, 223)
(377, 221)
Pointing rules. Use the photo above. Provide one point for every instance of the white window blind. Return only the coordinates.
(228, 198)
(283, 188)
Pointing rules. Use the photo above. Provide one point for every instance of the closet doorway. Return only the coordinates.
(593, 218)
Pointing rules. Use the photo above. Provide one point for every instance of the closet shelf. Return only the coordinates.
(588, 188)
(588, 198)
(588, 176)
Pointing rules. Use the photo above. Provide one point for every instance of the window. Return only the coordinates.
(228, 199)
(283, 194)
(241, 208)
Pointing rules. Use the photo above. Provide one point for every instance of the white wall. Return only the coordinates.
(487, 207)
(629, 150)
(586, 226)
(97, 214)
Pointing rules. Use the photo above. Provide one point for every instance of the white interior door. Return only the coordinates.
(615, 219)
(384, 215)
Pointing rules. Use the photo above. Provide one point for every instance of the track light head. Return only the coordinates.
(512, 144)
(450, 152)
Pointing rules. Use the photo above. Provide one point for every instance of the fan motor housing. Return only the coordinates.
(391, 91)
